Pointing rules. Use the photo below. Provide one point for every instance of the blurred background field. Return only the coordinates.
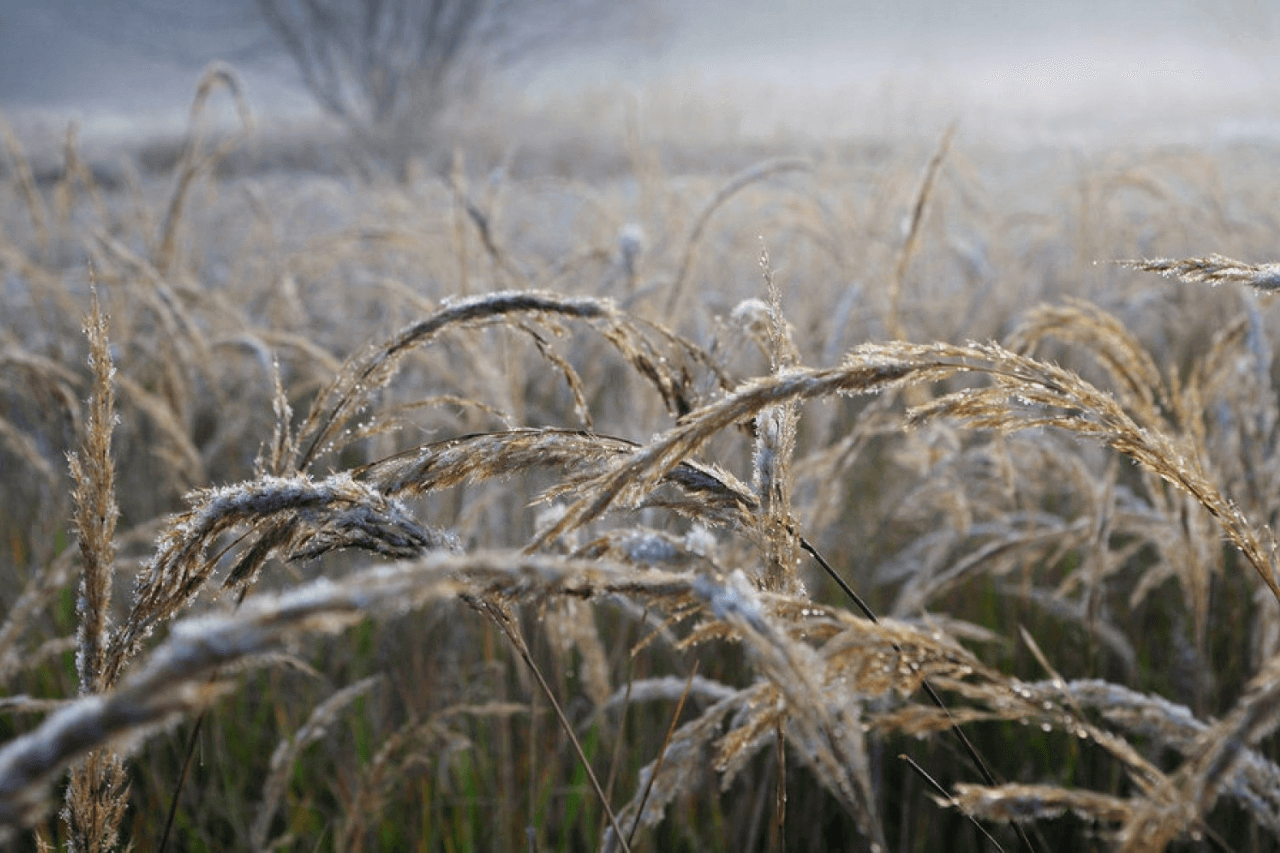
(933, 174)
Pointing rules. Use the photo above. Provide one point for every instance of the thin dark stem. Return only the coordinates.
(662, 753)
(190, 751)
(778, 831)
(616, 760)
(840, 582)
(943, 792)
(984, 770)
(182, 777)
(503, 622)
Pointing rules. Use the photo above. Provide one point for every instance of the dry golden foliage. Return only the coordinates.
(464, 464)
(1214, 269)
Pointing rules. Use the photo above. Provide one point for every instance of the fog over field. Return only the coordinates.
(1172, 68)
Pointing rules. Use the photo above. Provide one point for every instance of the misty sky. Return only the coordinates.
(141, 54)
(145, 55)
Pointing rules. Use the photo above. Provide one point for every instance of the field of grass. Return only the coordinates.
(592, 482)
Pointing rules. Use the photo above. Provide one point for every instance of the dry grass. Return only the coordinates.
(556, 512)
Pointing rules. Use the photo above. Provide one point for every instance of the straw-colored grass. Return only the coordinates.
(555, 511)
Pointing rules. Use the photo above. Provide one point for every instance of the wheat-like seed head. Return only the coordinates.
(1212, 269)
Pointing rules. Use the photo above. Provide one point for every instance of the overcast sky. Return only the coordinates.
(144, 55)
(120, 54)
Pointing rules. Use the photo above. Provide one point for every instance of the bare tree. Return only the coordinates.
(387, 64)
